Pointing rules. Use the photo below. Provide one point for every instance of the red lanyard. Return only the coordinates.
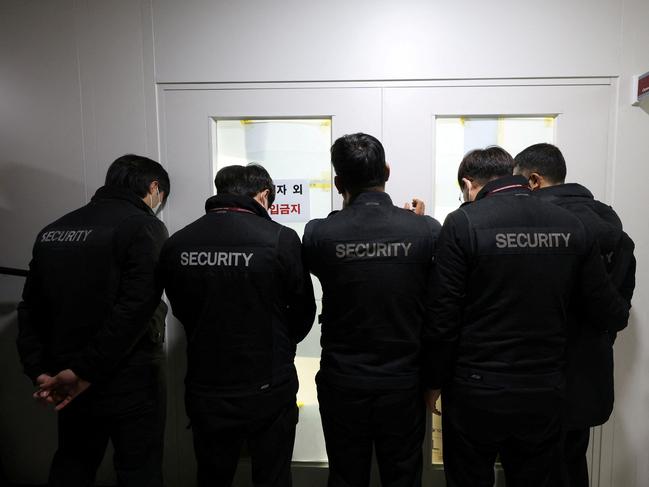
(511, 186)
(233, 208)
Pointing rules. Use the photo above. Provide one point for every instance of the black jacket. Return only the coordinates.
(236, 282)
(91, 290)
(373, 260)
(509, 266)
(589, 370)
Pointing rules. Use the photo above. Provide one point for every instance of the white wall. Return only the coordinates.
(77, 90)
(211, 40)
(631, 424)
(41, 176)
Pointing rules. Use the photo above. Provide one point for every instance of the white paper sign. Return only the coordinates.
(291, 201)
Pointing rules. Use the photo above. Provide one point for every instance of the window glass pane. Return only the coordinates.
(296, 154)
(455, 136)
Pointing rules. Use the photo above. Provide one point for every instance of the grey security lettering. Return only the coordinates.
(216, 259)
(532, 240)
(368, 250)
(65, 236)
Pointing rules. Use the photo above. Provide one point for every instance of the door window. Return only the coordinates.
(455, 136)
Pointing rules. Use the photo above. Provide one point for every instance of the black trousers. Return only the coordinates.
(524, 432)
(3, 478)
(354, 421)
(134, 422)
(219, 436)
(575, 445)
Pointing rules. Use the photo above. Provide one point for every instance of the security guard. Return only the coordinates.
(86, 328)
(589, 371)
(508, 268)
(236, 282)
(373, 260)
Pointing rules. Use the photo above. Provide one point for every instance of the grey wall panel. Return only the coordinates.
(624, 459)
(294, 40)
(72, 98)
(41, 177)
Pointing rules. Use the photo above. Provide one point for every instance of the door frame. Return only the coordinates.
(600, 451)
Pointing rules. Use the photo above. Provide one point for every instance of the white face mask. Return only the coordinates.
(156, 208)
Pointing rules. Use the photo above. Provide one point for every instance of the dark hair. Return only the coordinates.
(359, 161)
(483, 165)
(545, 159)
(137, 173)
(247, 180)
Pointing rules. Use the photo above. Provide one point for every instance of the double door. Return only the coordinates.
(425, 128)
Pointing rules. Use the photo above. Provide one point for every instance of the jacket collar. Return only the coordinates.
(504, 185)
(235, 202)
(567, 190)
(371, 198)
(118, 193)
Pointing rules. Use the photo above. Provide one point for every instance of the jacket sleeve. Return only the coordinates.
(308, 249)
(597, 297)
(137, 298)
(300, 302)
(444, 307)
(32, 336)
(623, 274)
(174, 285)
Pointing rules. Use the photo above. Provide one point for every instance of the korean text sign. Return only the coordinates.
(291, 201)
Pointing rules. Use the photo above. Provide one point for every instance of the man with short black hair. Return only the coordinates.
(88, 335)
(542, 164)
(373, 260)
(481, 166)
(236, 282)
(508, 266)
(589, 370)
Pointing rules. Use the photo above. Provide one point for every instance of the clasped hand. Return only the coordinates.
(59, 390)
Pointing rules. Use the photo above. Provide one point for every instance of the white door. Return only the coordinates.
(413, 121)
(573, 114)
(189, 125)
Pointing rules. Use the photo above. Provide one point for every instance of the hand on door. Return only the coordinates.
(418, 207)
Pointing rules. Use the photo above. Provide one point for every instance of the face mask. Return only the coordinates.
(157, 207)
